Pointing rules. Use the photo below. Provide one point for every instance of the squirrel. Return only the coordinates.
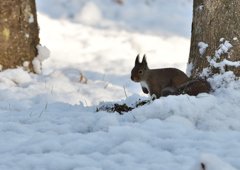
(166, 81)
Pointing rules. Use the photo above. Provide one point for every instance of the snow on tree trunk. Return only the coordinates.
(215, 40)
(18, 33)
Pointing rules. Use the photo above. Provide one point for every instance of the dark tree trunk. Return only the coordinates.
(214, 20)
(18, 33)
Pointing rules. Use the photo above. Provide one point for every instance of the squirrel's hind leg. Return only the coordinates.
(168, 91)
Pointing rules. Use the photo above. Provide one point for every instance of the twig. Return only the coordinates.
(43, 110)
(31, 113)
(106, 86)
(82, 76)
(132, 115)
(125, 91)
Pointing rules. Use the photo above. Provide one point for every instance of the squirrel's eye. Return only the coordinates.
(140, 71)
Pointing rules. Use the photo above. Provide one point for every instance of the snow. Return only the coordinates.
(27, 35)
(26, 64)
(14, 77)
(37, 67)
(212, 162)
(149, 16)
(90, 13)
(189, 69)
(49, 121)
(31, 19)
(235, 38)
(223, 48)
(206, 72)
(43, 54)
(202, 47)
(213, 61)
(201, 7)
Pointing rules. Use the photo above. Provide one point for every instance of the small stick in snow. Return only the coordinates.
(82, 76)
(203, 166)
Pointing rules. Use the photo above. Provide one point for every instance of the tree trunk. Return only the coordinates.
(18, 33)
(215, 37)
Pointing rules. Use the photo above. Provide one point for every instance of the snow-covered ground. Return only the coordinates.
(50, 121)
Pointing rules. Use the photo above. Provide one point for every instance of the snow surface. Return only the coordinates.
(50, 121)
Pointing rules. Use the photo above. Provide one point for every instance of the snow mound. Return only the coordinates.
(12, 77)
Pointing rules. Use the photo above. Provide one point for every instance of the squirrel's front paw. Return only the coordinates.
(145, 90)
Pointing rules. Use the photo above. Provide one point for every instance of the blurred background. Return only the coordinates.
(103, 37)
(163, 17)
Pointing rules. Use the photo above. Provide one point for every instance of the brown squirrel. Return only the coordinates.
(166, 81)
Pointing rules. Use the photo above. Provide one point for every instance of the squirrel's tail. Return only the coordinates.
(194, 87)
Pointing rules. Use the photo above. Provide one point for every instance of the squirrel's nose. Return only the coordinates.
(132, 78)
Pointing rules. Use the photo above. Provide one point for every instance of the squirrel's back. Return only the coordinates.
(169, 77)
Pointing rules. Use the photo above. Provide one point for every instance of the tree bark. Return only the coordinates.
(216, 24)
(18, 33)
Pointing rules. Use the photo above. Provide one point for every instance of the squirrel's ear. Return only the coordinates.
(137, 60)
(144, 60)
